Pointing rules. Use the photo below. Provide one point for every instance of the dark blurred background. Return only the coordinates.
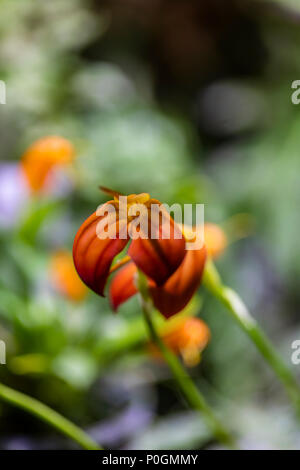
(191, 102)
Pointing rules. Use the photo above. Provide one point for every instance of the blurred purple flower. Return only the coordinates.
(125, 425)
(13, 193)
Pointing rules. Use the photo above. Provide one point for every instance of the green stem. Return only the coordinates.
(48, 415)
(241, 315)
(183, 380)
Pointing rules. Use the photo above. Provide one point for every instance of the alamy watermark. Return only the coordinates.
(2, 352)
(295, 357)
(151, 221)
(2, 92)
(295, 97)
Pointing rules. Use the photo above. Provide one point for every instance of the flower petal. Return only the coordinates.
(175, 294)
(122, 287)
(161, 251)
(92, 255)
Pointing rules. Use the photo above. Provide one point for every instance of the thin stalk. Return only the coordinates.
(248, 324)
(183, 380)
(48, 415)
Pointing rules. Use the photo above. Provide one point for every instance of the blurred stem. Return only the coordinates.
(183, 380)
(241, 315)
(48, 415)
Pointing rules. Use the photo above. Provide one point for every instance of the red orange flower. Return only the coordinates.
(173, 272)
(42, 156)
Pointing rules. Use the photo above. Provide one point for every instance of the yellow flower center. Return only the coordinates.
(135, 199)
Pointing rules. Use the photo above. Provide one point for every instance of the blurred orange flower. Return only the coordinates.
(186, 337)
(65, 277)
(215, 239)
(43, 156)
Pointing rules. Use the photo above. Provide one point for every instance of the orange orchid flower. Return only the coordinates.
(65, 277)
(42, 156)
(173, 272)
(186, 337)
